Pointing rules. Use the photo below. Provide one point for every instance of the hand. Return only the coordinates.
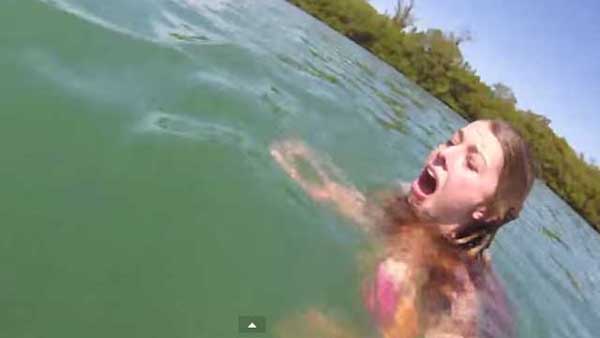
(287, 152)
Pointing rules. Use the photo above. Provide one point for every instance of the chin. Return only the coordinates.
(421, 208)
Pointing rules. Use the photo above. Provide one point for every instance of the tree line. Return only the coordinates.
(433, 60)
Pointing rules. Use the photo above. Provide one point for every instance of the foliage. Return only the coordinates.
(434, 61)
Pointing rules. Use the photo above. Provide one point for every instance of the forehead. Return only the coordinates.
(479, 133)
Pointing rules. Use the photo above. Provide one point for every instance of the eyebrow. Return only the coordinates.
(475, 149)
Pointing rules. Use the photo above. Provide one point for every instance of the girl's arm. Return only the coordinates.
(348, 201)
(461, 318)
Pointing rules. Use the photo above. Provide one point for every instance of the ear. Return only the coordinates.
(479, 213)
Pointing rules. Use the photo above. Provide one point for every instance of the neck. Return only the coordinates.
(448, 230)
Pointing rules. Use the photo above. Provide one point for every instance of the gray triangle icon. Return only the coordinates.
(252, 325)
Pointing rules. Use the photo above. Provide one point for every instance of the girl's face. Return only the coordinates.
(459, 177)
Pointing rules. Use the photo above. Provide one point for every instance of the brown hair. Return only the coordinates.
(514, 184)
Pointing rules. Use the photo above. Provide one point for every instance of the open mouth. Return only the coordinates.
(427, 181)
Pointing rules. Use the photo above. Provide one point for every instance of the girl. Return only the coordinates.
(432, 277)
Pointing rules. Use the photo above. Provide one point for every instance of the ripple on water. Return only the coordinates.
(76, 80)
(163, 27)
(213, 11)
(309, 68)
(253, 153)
(192, 128)
(279, 103)
(405, 93)
(173, 28)
(214, 5)
(84, 14)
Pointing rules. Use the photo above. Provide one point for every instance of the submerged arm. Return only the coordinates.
(460, 318)
(314, 323)
(348, 201)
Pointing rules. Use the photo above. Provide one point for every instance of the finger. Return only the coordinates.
(277, 155)
(484, 244)
(467, 239)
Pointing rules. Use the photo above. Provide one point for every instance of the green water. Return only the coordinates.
(139, 198)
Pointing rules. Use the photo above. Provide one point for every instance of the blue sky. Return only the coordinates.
(547, 51)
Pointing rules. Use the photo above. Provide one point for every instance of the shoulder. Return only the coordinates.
(394, 269)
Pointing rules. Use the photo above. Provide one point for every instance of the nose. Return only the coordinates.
(440, 158)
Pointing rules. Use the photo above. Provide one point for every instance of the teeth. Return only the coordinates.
(430, 172)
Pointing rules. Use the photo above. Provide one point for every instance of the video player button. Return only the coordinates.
(250, 324)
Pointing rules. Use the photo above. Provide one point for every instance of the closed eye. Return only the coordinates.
(471, 163)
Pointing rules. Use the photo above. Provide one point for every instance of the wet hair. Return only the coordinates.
(514, 184)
